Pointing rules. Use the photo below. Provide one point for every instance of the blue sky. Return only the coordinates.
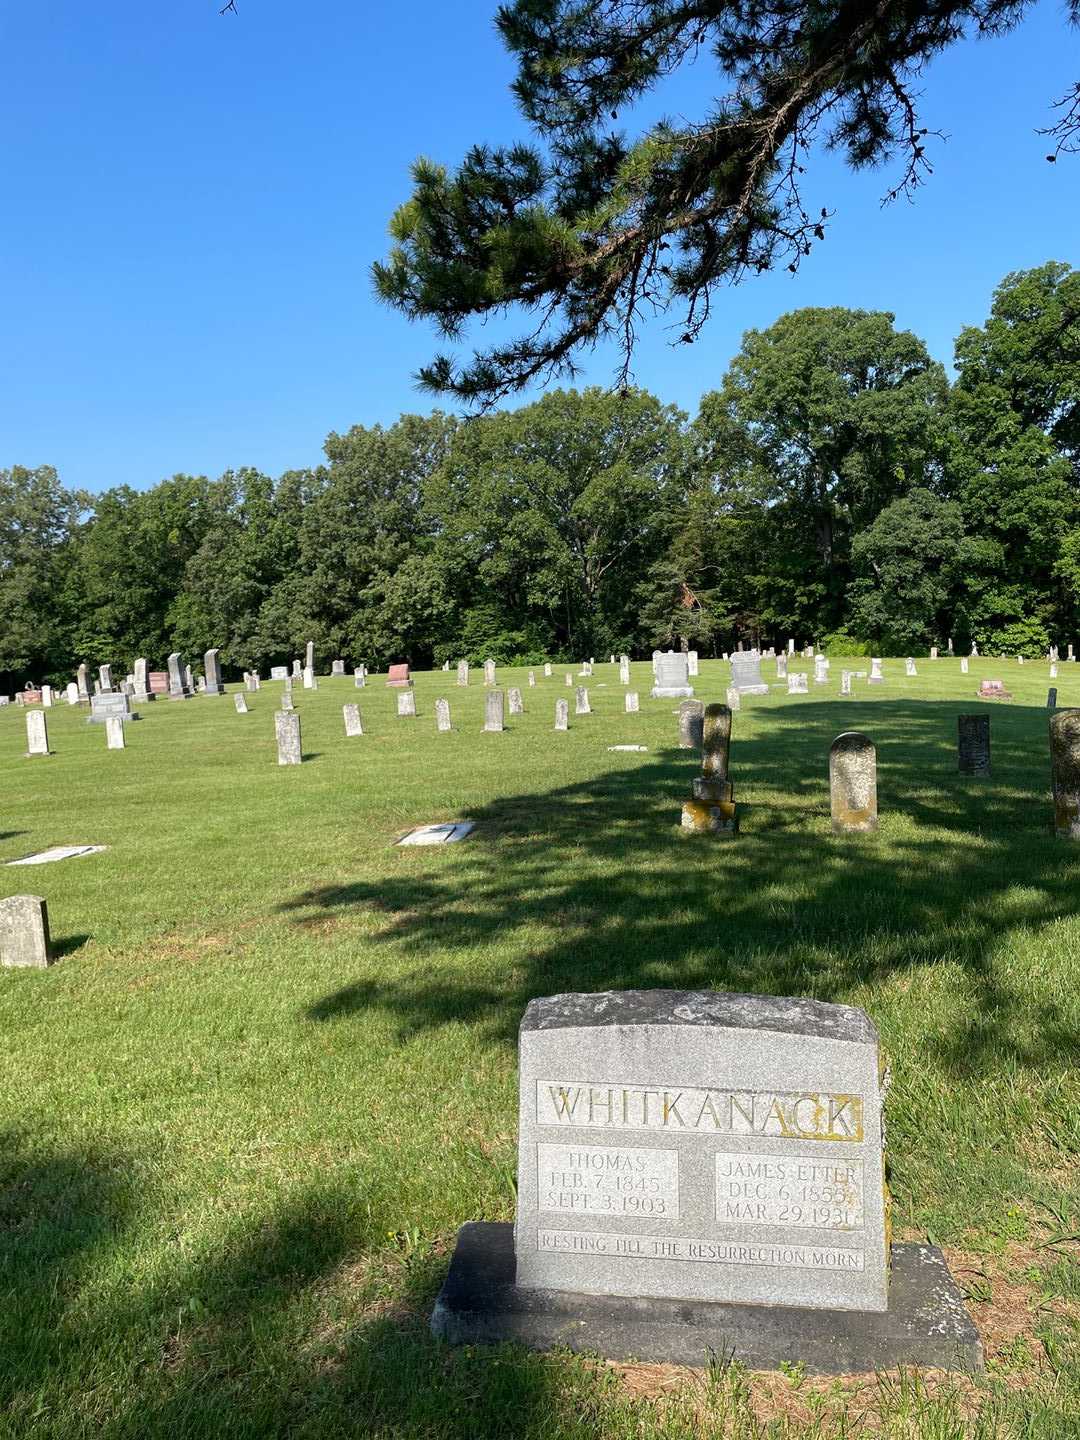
(191, 204)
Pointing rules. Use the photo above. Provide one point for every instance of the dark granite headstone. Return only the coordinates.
(973, 744)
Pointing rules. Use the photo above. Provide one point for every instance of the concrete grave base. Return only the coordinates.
(672, 692)
(926, 1323)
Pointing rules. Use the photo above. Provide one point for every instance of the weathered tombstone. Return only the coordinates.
(114, 732)
(973, 744)
(933, 652)
(746, 674)
(47, 696)
(489, 672)
(963, 664)
(463, 672)
(353, 723)
(309, 656)
(72, 693)
(876, 677)
(105, 676)
(790, 646)
(1053, 671)
(631, 702)
(297, 670)
(142, 680)
(950, 649)
(442, 715)
(493, 710)
(581, 701)
(37, 733)
(734, 698)
(360, 678)
(1071, 654)
(398, 676)
(716, 742)
(853, 783)
(337, 667)
(279, 672)
(406, 702)
(781, 666)
(993, 690)
(796, 683)
(547, 669)
(845, 682)
(821, 674)
(287, 731)
(446, 665)
(188, 680)
(178, 689)
(1065, 772)
(691, 724)
(562, 714)
(569, 680)
(240, 703)
(532, 678)
(624, 672)
(1019, 659)
(513, 700)
(692, 663)
(1051, 698)
(200, 684)
(672, 675)
(212, 672)
(974, 651)
(310, 682)
(251, 683)
(711, 811)
(909, 667)
(84, 689)
(24, 932)
(703, 1174)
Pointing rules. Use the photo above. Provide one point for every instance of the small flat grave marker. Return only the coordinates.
(447, 833)
(59, 852)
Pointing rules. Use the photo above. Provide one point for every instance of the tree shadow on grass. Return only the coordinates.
(606, 892)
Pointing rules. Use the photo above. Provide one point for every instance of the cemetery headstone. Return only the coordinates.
(463, 672)
(963, 664)
(781, 666)
(353, 723)
(845, 682)
(142, 680)
(114, 732)
(876, 677)
(309, 656)
(711, 811)
(933, 652)
(279, 672)
(1051, 698)
(493, 710)
(993, 690)
(796, 683)
(24, 932)
(105, 676)
(821, 675)
(251, 683)
(691, 724)
(624, 673)
(853, 783)
(791, 646)
(909, 667)
(398, 676)
(240, 703)
(672, 675)
(703, 1173)
(442, 715)
(406, 702)
(337, 667)
(178, 687)
(547, 670)
(532, 678)
(631, 702)
(297, 670)
(212, 673)
(1065, 772)
(746, 674)
(569, 680)
(973, 744)
(360, 678)
(1053, 671)
(734, 698)
(310, 682)
(84, 689)
(287, 733)
(692, 663)
(581, 701)
(188, 680)
(37, 733)
(489, 672)
(562, 714)
(47, 696)
(513, 700)
(72, 693)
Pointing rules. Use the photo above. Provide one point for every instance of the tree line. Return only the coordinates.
(835, 485)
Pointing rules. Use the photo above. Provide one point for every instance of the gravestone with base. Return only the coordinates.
(179, 686)
(703, 1174)
(746, 673)
(711, 811)
(212, 671)
(398, 676)
(672, 676)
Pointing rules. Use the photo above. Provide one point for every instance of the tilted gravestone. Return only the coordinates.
(406, 702)
(581, 701)
(287, 732)
(691, 724)
(493, 710)
(973, 744)
(853, 783)
(697, 1173)
(24, 932)
(672, 675)
(1065, 772)
(241, 704)
(353, 724)
(179, 688)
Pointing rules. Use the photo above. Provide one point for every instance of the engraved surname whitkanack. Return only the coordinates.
(797, 1115)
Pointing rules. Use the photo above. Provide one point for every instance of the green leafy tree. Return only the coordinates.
(38, 522)
(587, 231)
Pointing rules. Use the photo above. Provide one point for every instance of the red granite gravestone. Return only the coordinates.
(31, 696)
(993, 690)
(398, 675)
(159, 682)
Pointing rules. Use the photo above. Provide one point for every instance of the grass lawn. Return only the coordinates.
(274, 1070)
